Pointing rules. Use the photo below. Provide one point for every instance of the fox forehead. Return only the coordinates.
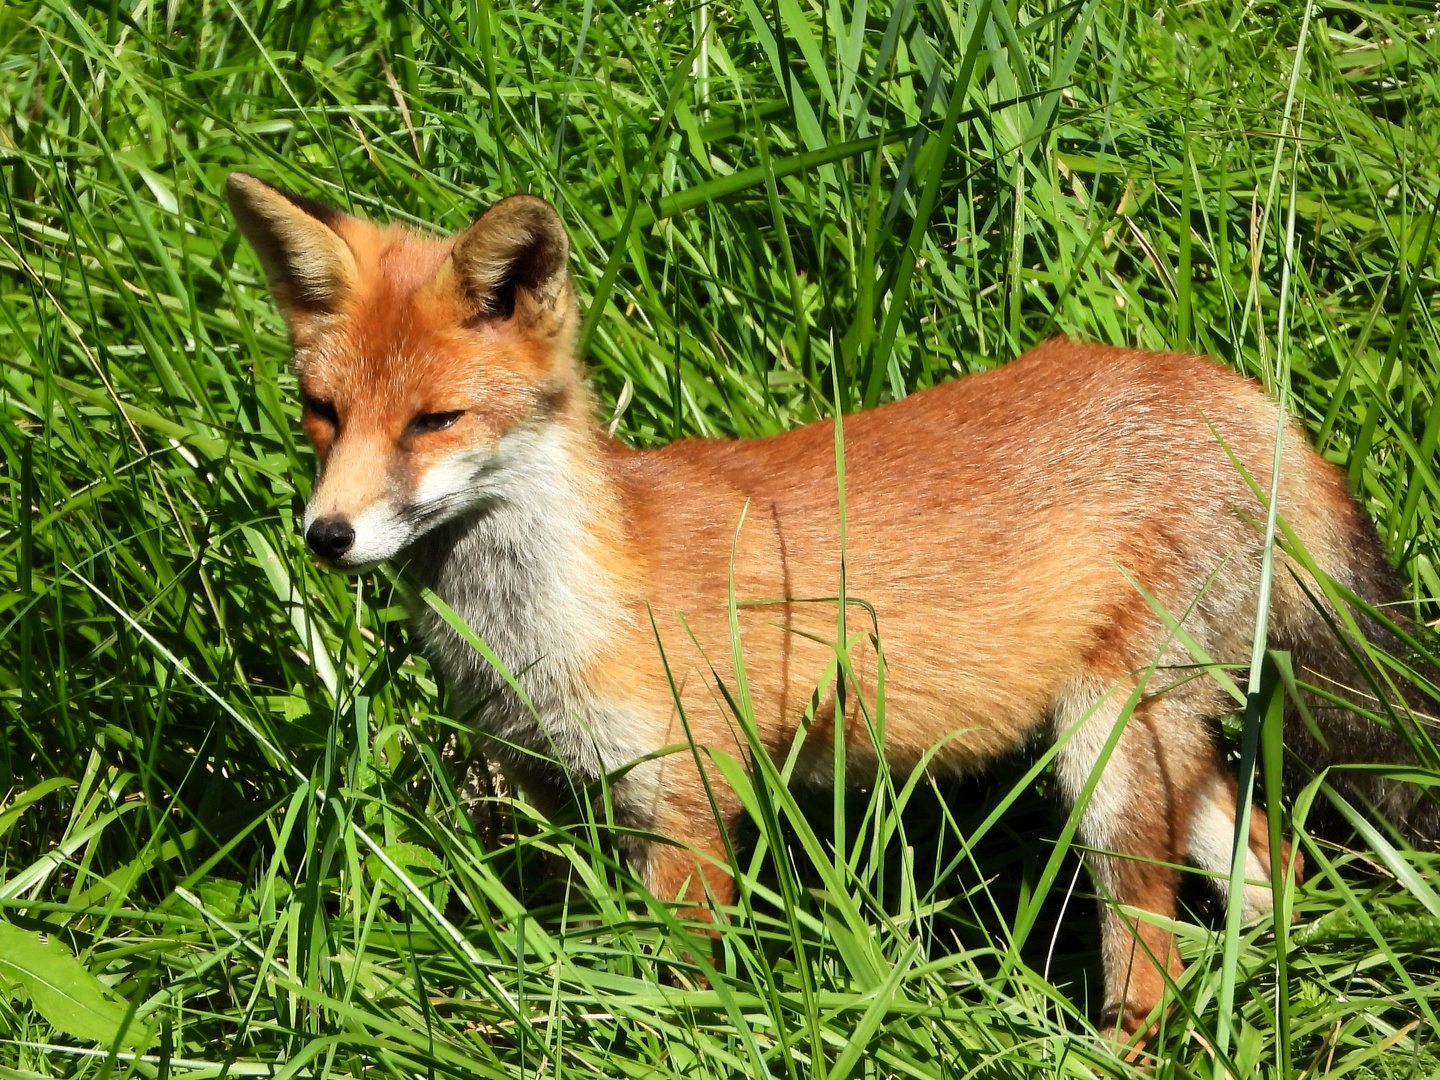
(402, 341)
(389, 314)
(392, 259)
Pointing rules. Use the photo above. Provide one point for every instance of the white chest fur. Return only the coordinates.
(519, 567)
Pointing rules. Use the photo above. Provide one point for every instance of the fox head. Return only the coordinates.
(426, 366)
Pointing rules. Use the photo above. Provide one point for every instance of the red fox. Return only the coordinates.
(997, 526)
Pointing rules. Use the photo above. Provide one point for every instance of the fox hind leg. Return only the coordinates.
(1136, 824)
(1212, 838)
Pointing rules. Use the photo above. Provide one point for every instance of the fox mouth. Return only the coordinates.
(467, 487)
(360, 544)
(347, 568)
(354, 543)
(349, 564)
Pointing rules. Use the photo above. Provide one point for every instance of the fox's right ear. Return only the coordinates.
(309, 266)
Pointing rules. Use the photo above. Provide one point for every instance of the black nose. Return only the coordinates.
(330, 537)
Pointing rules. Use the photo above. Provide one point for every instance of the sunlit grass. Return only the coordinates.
(234, 793)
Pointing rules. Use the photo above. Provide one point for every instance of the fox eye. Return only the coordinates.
(325, 410)
(434, 421)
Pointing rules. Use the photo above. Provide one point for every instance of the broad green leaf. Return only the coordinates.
(61, 989)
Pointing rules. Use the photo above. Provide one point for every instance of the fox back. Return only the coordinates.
(1021, 545)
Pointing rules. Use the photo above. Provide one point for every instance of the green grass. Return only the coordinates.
(231, 791)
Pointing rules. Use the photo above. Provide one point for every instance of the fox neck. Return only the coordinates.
(534, 573)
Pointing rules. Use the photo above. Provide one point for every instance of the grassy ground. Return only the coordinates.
(229, 794)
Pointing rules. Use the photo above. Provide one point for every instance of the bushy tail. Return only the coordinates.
(1367, 710)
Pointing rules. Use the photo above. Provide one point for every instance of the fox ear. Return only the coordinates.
(308, 264)
(513, 260)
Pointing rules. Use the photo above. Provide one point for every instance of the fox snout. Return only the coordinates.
(357, 540)
(330, 537)
(365, 508)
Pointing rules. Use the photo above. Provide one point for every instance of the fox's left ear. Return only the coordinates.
(309, 266)
(513, 261)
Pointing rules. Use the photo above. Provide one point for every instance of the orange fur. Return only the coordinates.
(992, 523)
